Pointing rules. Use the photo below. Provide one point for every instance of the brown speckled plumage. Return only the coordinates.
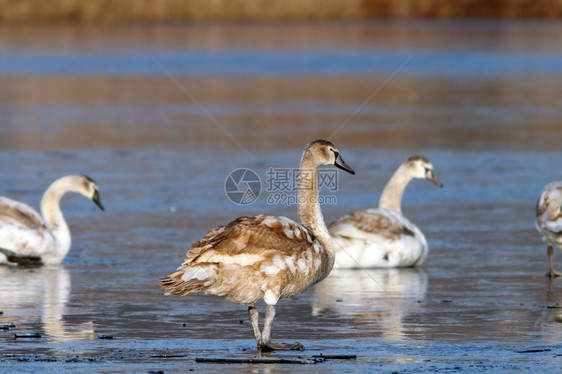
(373, 222)
(24, 217)
(241, 250)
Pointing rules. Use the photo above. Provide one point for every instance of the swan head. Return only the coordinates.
(420, 167)
(323, 152)
(88, 188)
(81, 184)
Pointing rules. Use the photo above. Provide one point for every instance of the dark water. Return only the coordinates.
(160, 115)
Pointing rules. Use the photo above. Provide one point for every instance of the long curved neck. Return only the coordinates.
(309, 210)
(391, 196)
(54, 220)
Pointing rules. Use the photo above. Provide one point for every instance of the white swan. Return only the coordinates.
(383, 237)
(26, 238)
(549, 220)
(264, 257)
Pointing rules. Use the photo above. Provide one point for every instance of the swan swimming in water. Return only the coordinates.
(384, 237)
(264, 257)
(27, 238)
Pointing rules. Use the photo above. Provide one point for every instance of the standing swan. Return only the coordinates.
(264, 257)
(383, 237)
(549, 220)
(28, 239)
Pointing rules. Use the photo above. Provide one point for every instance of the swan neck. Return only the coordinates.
(391, 197)
(310, 213)
(54, 219)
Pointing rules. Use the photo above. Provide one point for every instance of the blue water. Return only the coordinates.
(281, 63)
(350, 49)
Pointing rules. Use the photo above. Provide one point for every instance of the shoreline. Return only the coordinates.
(108, 11)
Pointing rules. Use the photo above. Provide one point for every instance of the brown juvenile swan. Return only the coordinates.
(264, 257)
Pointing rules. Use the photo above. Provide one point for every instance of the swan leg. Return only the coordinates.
(254, 319)
(265, 343)
(553, 273)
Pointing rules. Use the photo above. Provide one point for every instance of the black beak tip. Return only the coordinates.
(340, 163)
(434, 180)
(345, 167)
(96, 200)
(98, 203)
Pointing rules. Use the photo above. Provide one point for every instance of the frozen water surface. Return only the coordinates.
(160, 115)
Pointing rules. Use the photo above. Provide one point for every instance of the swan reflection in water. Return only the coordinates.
(376, 299)
(553, 312)
(40, 295)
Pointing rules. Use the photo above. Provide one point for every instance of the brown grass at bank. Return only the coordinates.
(179, 10)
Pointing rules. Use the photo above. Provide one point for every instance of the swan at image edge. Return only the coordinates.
(549, 220)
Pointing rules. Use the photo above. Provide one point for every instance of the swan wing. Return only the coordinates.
(373, 224)
(22, 230)
(248, 240)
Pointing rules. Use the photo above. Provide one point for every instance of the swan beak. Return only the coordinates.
(96, 199)
(340, 163)
(433, 179)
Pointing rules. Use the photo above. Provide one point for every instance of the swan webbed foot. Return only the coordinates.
(264, 338)
(269, 346)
